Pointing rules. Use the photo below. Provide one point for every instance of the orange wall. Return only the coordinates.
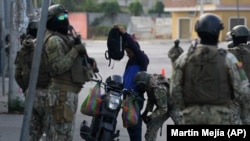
(80, 23)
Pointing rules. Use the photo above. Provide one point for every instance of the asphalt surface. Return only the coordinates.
(11, 124)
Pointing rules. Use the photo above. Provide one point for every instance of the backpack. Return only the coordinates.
(242, 53)
(23, 64)
(115, 45)
(206, 79)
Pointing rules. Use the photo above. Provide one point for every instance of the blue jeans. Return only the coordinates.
(135, 132)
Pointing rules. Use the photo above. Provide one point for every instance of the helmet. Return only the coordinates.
(209, 23)
(142, 78)
(115, 81)
(32, 28)
(239, 31)
(177, 41)
(55, 10)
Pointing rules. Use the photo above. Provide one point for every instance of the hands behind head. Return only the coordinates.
(121, 28)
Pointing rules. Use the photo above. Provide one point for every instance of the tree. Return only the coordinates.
(110, 9)
(158, 8)
(136, 8)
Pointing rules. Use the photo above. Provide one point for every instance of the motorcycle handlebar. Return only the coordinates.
(129, 92)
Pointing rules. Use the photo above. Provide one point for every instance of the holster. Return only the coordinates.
(62, 112)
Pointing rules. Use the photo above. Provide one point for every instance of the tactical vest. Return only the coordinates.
(77, 75)
(206, 79)
(242, 53)
(24, 60)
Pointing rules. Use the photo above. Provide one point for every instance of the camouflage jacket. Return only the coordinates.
(239, 81)
(157, 97)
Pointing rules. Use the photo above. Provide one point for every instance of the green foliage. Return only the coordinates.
(16, 106)
(110, 8)
(99, 32)
(136, 8)
(89, 6)
(158, 8)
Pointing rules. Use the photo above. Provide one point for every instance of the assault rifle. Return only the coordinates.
(86, 60)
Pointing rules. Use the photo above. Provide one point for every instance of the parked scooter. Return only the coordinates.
(103, 126)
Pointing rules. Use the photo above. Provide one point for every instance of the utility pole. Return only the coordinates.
(238, 12)
(34, 72)
(2, 42)
(202, 7)
(15, 21)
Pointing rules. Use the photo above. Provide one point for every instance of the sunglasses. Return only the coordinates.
(62, 17)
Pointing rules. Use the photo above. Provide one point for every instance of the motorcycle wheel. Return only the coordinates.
(106, 135)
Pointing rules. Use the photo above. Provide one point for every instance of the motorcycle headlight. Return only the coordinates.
(113, 102)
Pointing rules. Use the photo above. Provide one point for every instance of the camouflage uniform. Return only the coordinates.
(38, 119)
(208, 114)
(239, 35)
(158, 97)
(22, 72)
(63, 92)
(242, 53)
(174, 53)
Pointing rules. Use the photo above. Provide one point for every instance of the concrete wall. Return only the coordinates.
(150, 27)
(144, 27)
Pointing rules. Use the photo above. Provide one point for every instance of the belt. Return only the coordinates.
(67, 86)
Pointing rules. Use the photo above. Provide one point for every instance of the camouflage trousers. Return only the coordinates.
(38, 117)
(62, 107)
(207, 114)
(153, 126)
(235, 113)
(245, 108)
(176, 116)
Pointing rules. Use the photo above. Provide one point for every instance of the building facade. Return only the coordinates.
(185, 13)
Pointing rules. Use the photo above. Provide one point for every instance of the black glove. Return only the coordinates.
(78, 40)
(146, 119)
(93, 64)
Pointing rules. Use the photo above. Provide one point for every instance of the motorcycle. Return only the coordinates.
(103, 126)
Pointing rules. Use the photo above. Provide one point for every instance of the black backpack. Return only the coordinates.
(115, 45)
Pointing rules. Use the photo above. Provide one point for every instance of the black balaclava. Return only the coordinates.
(176, 44)
(239, 40)
(32, 32)
(208, 38)
(60, 26)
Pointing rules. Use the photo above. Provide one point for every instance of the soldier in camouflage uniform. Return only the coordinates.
(157, 96)
(23, 64)
(241, 51)
(205, 81)
(175, 51)
(64, 52)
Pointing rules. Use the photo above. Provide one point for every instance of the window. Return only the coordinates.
(235, 21)
(206, 1)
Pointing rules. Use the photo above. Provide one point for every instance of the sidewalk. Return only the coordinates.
(10, 125)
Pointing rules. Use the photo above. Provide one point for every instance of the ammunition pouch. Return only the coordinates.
(79, 73)
(62, 112)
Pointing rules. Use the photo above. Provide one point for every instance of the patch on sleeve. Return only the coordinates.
(241, 71)
(239, 65)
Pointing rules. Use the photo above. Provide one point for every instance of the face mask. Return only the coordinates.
(59, 24)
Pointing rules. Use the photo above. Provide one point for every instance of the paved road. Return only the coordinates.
(10, 125)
